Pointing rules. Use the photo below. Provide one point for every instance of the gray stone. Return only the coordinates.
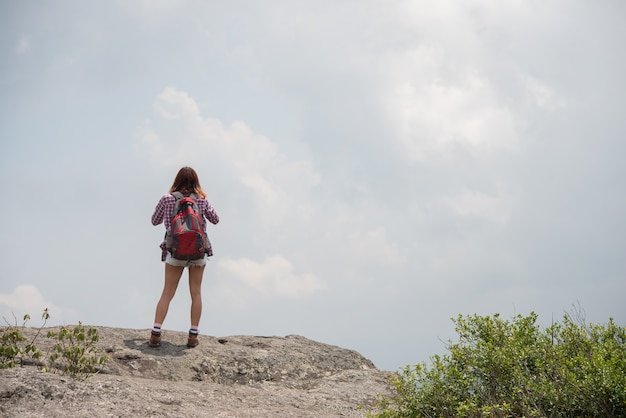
(237, 376)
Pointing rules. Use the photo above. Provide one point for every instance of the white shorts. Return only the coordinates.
(185, 263)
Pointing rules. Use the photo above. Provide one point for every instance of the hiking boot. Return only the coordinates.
(192, 341)
(155, 339)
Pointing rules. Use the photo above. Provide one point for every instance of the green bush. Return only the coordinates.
(14, 348)
(74, 352)
(502, 368)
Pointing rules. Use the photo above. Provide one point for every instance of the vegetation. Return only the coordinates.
(74, 352)
(14, 348)
(501, 368)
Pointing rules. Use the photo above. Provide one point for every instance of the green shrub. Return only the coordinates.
(75, 352)
(14, 348)
(502, 368)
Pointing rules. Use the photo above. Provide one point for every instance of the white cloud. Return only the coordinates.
(27, 299)
(174, 104)
(373, 246)
(491, 207)
(275, 277)
(541, 95)
(433, 117)
(180, 135)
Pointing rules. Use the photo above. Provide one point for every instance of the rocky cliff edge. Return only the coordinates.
(236, 376)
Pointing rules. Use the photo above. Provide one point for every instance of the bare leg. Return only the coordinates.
(195, 288)
(172, 277)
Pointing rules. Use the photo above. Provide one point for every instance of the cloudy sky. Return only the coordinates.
(379, 167)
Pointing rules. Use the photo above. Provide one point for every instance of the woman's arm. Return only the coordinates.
(159, 212)
(208, 211)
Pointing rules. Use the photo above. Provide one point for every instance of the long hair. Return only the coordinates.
(186, 181)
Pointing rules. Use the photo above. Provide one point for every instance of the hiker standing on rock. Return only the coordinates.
(183, 211)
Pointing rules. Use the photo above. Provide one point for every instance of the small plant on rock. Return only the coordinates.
(15, 348)
(75, 352)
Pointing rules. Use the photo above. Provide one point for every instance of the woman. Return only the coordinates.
(187, 183)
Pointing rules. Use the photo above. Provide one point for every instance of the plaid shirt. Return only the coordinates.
(165, 210)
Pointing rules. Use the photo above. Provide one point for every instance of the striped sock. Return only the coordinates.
(193, 330)
(156, 329)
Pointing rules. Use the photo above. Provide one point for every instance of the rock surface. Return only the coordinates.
(238, 376)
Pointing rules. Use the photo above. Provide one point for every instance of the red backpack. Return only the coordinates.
(186, 238)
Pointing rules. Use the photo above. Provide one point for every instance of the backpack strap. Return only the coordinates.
(178, 195)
